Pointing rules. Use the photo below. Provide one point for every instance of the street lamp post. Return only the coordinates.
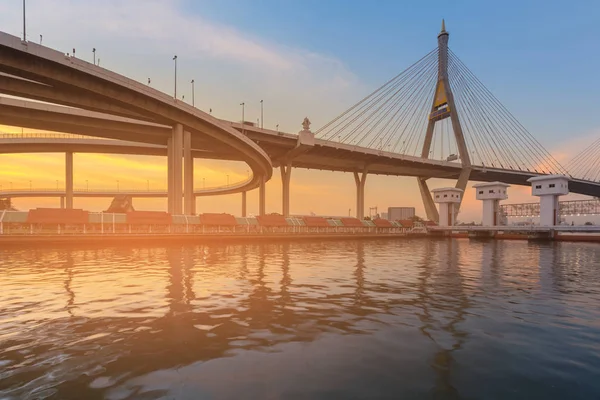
(94, 51)
(24, 27)
(193, 95)
(175, 93)
(243, 106)
(261, 115)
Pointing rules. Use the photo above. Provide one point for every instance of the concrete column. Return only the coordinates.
(490, 212)
(170, 175)
(286, 173)
(461, 183)
(430, 209)
(189, 200)
(177, 178)
(69, 178)
(262, 197)
(243, 204)
(360, 179)
(549, 210)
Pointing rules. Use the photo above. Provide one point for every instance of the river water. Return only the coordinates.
(381, 319)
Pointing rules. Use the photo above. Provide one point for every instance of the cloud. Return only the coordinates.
(138, 38)
(566, 152)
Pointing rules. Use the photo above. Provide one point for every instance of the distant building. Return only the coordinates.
(400, 213)
(384, 215)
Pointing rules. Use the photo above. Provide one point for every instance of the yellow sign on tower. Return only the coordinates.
(440, 95)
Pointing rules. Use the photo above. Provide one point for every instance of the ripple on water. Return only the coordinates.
(375, 319)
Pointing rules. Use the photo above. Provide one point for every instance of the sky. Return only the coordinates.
(313, 58)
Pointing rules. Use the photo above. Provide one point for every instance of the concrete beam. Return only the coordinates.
(32, 90)
(305, 142)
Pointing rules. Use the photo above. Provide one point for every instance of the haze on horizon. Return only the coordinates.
(312, 59)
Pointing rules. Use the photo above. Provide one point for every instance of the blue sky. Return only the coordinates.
(539, 57)
(316, 58)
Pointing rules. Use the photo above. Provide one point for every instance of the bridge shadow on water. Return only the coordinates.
(444, 319)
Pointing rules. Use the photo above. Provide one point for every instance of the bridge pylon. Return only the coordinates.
(443, 107)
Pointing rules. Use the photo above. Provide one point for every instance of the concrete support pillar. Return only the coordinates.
(189, 201)
(262, 197)
(360, 179)
(176, 164)
(286, 173)
(430, 209)
(69, 178)
(170, 175)
(463, 180)
(243, 204)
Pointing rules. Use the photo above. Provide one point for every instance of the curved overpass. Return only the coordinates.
(40, 73)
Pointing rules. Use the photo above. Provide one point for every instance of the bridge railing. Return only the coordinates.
(569, 207)
(44, 135)
(62, 190)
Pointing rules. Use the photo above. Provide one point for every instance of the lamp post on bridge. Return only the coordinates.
(193, 95)
(94, 51)
(243, 106)
(175, 92)
(261, 115)
(24, 27)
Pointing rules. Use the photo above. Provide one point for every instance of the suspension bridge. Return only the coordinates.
(433, 120)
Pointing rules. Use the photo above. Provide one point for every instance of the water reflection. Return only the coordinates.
(377, 319)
